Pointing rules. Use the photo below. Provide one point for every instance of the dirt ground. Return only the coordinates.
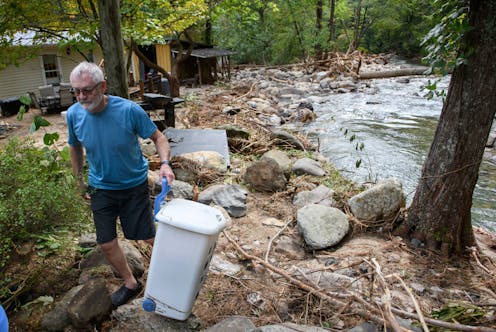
(274, 288)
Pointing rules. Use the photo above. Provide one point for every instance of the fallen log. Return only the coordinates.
(395, 73)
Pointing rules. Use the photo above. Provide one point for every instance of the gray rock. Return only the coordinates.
(321, 195)
(233, 131)
(322, 226)
(181, 189)
(230, 197)
(90, 305)
(289, 327)
(58, 319)
(232, 324)
(231, 110)
(332, 281)
(132, 317)
(102, 271)
(365, 327)
(219, 265)
(87, 240)
(284, 138)
(270, 120)
(381, 202)
(207, 159)
(134, 257)
(291, 91)
(148, 147)
(265, 175)
(308, 166)
(325, 83)
(281, 159)
(290, 248)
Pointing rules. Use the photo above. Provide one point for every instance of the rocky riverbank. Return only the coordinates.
(304, 248)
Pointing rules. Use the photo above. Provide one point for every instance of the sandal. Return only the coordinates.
(124, 294)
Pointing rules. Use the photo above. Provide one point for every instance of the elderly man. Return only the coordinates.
(107, 128)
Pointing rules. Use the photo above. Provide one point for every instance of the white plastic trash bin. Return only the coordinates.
(186, 236)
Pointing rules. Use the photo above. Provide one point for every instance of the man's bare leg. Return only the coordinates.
(114, 254)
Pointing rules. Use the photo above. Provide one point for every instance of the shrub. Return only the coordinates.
(38, 193)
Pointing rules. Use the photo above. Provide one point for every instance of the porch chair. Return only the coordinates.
(49, 100)
(66, 96)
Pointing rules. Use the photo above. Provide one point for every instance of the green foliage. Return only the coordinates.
(463, 313)
(444, 41)
(151, 21)
(279, 32)
(432, 90)
(398, 25)
(37, 193)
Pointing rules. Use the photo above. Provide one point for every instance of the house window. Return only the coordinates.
(51, 69)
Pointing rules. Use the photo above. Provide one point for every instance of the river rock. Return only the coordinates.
(289, 327)
(233, 131)
(322, 226)
(281, 158)
(290, 248)
(302, 115)
(58, 319)
(90, 305)
(148, 147)
(270, 120)
(134, 258)
(233, 324)
(331, 281)
(265, 175)
(208, 159)
(231, 197)
(381, 202)
(308, 166)
(220, 265)
(321, 195)
(284, 138)
(181, 189)
(132, 317)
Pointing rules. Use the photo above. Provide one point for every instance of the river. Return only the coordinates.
(395, 123)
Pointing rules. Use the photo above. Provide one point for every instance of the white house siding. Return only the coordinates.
(16, 81)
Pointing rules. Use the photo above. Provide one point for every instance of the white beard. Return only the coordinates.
(91, 106)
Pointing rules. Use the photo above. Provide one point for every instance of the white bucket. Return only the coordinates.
(186, 236)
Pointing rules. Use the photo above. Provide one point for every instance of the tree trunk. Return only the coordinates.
(395, 73)
(318, 28)
(440, 213)
(332, 6)
(356, 30)
(112, 46)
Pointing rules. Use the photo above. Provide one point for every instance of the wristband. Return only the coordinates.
(165, 162)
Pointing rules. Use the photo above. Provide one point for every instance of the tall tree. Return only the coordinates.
(112, 47)
(331, 24)
(440, 213)
(318, 27)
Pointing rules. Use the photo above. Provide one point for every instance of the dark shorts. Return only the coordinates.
(132, 206)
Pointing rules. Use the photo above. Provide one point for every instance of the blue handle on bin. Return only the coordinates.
(161, 197)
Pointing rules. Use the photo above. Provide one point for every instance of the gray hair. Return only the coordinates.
(88, 68)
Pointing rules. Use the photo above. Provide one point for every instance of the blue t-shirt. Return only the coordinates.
(110, 139)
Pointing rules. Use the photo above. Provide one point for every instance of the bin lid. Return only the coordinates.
(192, 216)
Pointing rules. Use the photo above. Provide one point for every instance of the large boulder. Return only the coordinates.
(381, 202)
(322, 226)
(266, 176)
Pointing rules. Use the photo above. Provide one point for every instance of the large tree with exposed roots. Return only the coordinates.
(440, 213)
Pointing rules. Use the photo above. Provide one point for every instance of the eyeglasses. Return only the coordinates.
(85, 91)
